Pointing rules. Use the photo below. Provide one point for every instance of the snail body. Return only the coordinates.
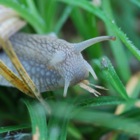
(51, 62)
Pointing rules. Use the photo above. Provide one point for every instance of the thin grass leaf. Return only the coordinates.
(132, 113)
(132, 48)
(109, 121)
(13, 128)
(26, 80)
(102, 101)
(22, 2)
(100, 14)
(54, 133)
(111, 76)
(63, 19)
(41, 6)
(58, 126)
(86, 26)
(136, 2)
(38, 119)
(74, 132)
(35, 20)
(119, 52)
(51, 12)
(79, 21)
(128, 12)
(98, 118)
(32, 7)
(10, 76)
(63, 135)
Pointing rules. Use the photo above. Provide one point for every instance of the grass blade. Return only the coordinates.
(32, 7)
(136, 2)
(59, 125)
(86, 25)
(119, 52)
(38, 119)
(102, 101)
(62, 19)
(98, 118)
(13, 128)
(78, 19)
(103, 119)
(51, 12)
(100, 14)
(111, 76)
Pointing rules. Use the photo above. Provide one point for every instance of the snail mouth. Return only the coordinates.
(79, 78)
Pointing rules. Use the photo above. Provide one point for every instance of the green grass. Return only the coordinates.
(80, 115)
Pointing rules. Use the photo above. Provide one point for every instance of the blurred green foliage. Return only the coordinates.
(81, 116)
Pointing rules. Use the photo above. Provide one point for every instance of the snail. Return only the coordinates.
(51, 62)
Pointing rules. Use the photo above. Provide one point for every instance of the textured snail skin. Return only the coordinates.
(51, 62)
